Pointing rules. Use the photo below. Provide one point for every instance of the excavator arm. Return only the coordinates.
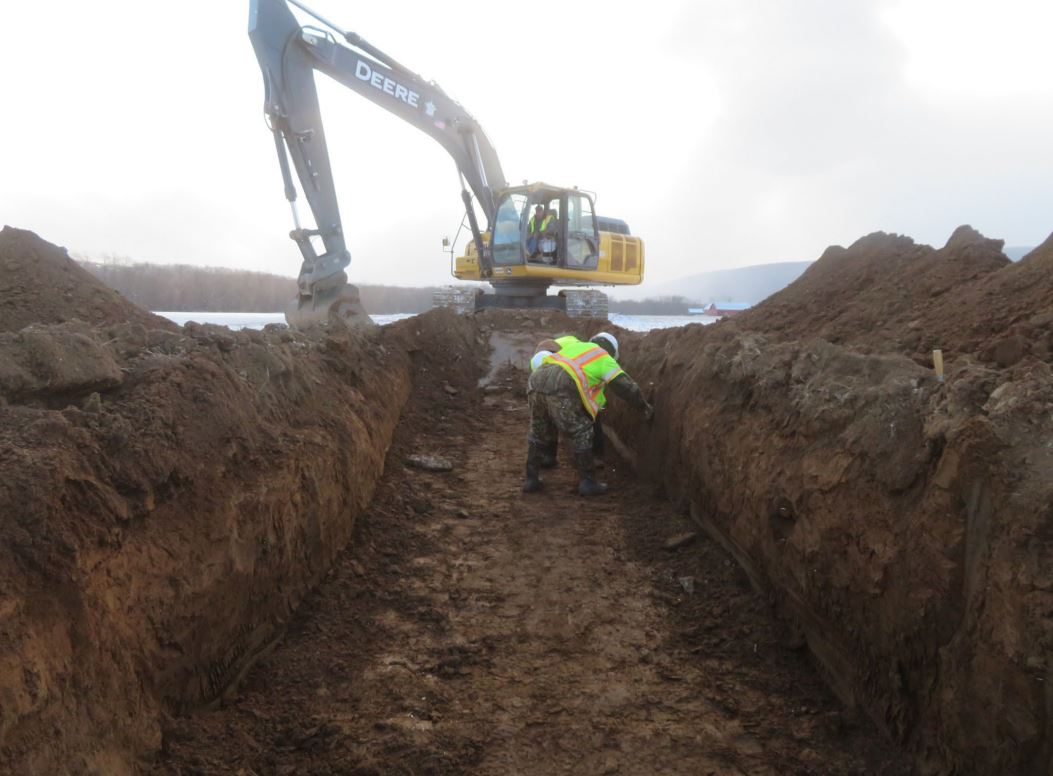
(289, 54)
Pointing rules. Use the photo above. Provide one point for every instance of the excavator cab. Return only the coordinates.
(547, 227)
(546, 235)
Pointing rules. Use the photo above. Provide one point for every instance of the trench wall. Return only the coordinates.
(166, 500)
(902, 526)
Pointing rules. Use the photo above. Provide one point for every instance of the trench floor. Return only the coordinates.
(473, 629)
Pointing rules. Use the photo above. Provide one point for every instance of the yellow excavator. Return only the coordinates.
(535, 236)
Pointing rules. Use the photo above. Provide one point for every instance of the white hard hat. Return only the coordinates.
(603, 339)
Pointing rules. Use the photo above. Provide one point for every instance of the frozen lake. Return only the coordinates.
(252, 320)
(259, 320)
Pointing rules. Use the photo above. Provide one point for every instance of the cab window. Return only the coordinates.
(507, 225)
(582, 246)
(543, 245)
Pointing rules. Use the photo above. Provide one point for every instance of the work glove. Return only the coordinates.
(648, 412)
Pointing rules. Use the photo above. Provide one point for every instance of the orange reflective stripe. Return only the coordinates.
(589, 356)
(579, 374)
(587, 394)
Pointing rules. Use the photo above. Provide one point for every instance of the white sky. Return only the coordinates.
(726, 132)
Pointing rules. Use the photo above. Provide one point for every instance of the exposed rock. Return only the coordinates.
(62, 360)
(429, 463)
(1006, 352)
(680, 540)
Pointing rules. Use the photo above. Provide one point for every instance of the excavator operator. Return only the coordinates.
(541, 228)
(565, 393)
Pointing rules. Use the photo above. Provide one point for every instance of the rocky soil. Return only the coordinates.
(902, 525)
(167, 498)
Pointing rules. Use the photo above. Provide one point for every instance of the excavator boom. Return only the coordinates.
(575, 249)
(289, 54)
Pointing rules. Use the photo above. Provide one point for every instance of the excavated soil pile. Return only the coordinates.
(40, 284)
(886, 293)
(167, 497)
(904, 526)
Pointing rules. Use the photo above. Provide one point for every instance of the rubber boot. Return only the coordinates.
(586, 466)
(548, 456)
(599, 441)
(532, 483)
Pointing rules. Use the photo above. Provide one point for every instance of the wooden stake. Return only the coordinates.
(937, 363)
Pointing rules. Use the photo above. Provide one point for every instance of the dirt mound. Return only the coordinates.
(163, 512)
(40, 283)
(902, 525)
(1010, 312)
(542, 323)
(885, 293)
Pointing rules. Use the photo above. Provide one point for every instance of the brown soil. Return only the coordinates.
(167, 498)
(40, 284)
(174, 503)
(472, 629)
(885, 293)
(170, 497)
(900, 524)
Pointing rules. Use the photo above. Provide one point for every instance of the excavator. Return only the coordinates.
(535, 235)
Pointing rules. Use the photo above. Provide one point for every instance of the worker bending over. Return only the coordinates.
(565, 394)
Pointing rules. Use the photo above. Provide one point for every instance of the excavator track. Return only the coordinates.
(583, 303)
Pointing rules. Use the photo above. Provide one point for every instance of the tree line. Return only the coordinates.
(185, 288)
(659, 305)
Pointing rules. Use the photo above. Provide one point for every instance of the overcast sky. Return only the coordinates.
(726, 132)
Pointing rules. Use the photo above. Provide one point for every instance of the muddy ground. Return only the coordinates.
(472, 629)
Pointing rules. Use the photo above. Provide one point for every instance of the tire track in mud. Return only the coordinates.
(472, 629)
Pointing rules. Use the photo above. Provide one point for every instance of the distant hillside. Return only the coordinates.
(1017, 252)
(757, 282)
(743, 284)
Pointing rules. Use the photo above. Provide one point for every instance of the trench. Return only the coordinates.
(173, 532)
(472, 629)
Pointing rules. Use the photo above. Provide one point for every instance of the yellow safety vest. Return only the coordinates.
(591, 366)
(532, 225)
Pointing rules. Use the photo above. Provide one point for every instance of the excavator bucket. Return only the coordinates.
(338, 304)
